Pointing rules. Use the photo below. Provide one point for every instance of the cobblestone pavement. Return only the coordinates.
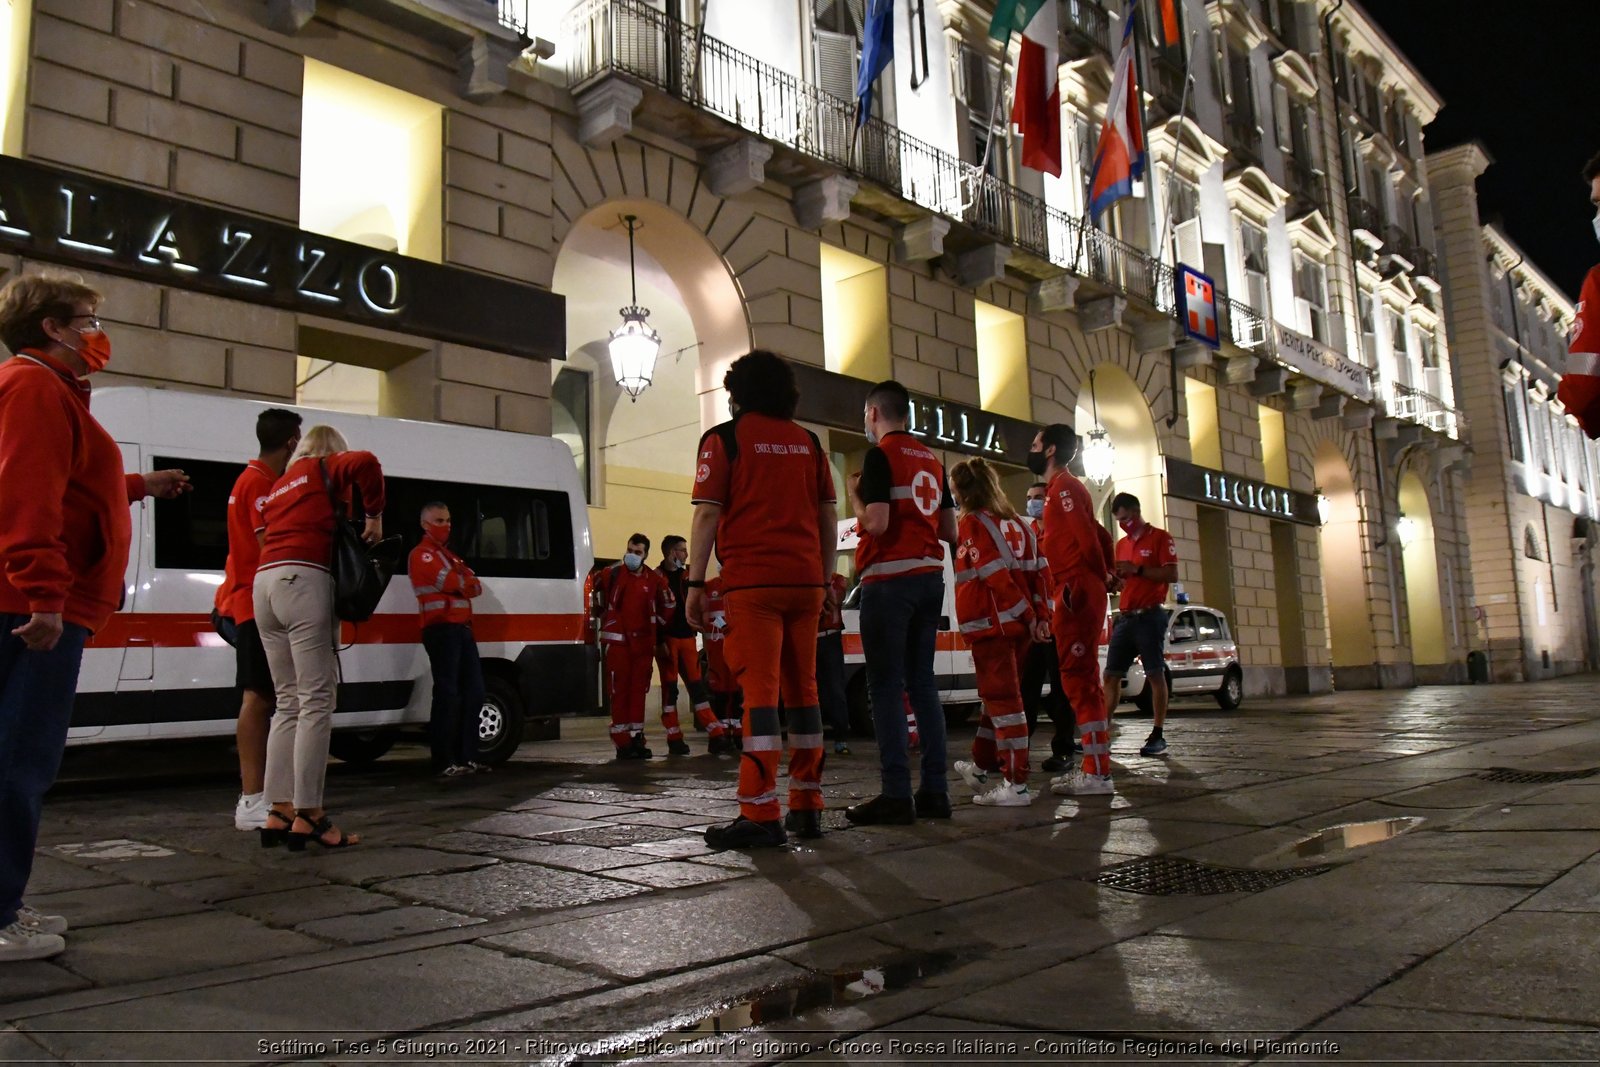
(566, 897)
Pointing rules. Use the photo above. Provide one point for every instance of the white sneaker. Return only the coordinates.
(456, 770)
(40, 923)
(19, 942)
(1005, 795)
(1082, 785)
(251, 811)
(970, 773)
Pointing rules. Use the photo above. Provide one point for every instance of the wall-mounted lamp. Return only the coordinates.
(1407, 529)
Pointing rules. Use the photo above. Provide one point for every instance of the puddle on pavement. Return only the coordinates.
(1336, 841)
(717, 1029)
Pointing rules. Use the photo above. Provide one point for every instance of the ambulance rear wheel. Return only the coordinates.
(499, 720)
(360, 747)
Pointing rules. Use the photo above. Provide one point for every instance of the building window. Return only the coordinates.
(855, 315)
(1205, 442)
(1311, 297)
(1003, 385)
(1366, 310)
(1274, 445)
(570, 421)
(919, 42)
(1400, 344)
(1186, 222)
(1530, 544)
(1253, 247)
(15, 27)
(371, 163)
(1515, 432)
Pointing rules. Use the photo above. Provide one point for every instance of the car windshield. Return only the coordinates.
(1209, 628)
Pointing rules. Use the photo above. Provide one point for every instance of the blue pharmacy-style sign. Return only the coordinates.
(1197, 306)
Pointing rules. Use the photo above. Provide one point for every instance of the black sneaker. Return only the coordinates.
(806, 824)
(931, 805)
(746, 833)
(883, 811)
(715, 746)
(677, 748)
(1155, 745)
(1056, 764)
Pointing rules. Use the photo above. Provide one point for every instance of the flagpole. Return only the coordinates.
(1144, 125)
(1168, 226)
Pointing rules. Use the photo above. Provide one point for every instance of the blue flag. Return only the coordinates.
(877, 49)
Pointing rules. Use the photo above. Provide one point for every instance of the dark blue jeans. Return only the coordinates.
(899, 627)
(36, 691)
(830, 685)
(457, 692)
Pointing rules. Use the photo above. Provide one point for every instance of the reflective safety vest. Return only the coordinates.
(910, 544)
(443, 582)
(638, 604)
(994, 589)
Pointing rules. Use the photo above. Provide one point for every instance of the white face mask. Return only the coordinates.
(1597, 226)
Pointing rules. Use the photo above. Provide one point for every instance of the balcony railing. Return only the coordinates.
(1166, 83)
(1424, 409)
(1424, 260)
(1086, 28)
(1244, 138)
(513, 14)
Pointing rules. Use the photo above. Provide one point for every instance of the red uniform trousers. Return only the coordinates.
(772, 647)
(682, 659)
(1001, 743)
(628, 679)
(1077, 632)
(725, 698)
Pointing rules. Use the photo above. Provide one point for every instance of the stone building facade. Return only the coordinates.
(509, 143)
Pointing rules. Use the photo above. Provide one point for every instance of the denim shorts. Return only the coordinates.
(1142, 634)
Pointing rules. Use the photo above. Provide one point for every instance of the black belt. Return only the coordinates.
(1142, 611)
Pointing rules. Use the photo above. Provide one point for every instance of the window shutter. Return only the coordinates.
(858, 14)
(1282, 117)
(975, 81)
(1190, 249)
(836, 64)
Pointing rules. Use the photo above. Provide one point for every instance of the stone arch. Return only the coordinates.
(1125, 414)
(1414, 526)
(1350, 633)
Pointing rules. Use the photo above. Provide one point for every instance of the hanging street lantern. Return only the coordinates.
(1099, 454)
(634, 345)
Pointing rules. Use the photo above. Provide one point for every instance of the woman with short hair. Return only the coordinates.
(294, 611)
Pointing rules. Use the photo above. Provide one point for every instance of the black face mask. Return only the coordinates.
(1037, 462)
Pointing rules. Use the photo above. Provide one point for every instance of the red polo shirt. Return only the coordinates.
(235, 598)
(1152, 548)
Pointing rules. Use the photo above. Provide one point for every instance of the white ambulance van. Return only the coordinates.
(520, 520)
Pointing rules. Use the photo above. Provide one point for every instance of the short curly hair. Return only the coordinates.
(28, 299)
(763, 382)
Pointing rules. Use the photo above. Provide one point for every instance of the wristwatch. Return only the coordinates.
(694, 583)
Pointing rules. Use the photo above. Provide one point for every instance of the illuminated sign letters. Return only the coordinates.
(64, 217)
(1221, 489)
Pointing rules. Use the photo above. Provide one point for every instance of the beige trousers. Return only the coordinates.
(294, 612)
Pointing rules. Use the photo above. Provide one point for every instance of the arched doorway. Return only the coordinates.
(638, 455)
(1125, 415)
(1414, 528)
(1350, 636)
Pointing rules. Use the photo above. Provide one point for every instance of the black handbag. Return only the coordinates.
(361, 572)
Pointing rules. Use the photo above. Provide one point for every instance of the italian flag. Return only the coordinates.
(1036, 95)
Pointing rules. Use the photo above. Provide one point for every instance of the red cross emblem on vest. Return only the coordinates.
(1012, 532)
(925, 492)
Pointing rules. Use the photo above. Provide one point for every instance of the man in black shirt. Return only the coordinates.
(677, 655)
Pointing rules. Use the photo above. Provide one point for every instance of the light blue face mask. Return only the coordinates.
(632, 560)
(1036, 508)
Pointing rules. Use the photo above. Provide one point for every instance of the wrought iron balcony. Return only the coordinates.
(513, 14)
(1424, 409)
(1085, 30)
(1244, 138)
(633, 39)
(1423, 259)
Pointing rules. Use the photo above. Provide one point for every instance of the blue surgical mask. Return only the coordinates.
(872, 438)
(633, 561)
(1036, 508)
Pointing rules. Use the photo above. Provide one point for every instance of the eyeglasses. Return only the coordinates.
(94, 322)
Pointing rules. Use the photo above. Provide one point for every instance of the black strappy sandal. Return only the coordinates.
(297, 842)
(273, 836)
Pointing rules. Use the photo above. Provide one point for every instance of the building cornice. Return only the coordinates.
(1508, 257)
(1398, 73)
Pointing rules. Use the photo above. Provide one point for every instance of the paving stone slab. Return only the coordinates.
(1538, 965)
(1157, 985)
(244, 884)
(526, 824)
(473, 843)
(35, 978)
(385, 925)
(571, 809)
(671, 874)
(1577, 890)
(508, 887)
(120, 903)
(411, 992)
(184, 944)
(364, 864)
(53, 875)
(577, 857)
(1400, 1035)
(1504, 858)
(612, 836)
(677, 847)
(179, 867)
(296, 906)
(672, 820)
(19, 1048)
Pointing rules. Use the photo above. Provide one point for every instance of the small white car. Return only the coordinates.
(1202, 658)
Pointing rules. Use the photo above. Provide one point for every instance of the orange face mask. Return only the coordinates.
(95, 350)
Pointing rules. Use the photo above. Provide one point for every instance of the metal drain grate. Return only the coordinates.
(1512, 776)
(1168, 876)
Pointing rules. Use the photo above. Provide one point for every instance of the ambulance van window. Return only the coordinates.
(192, 531)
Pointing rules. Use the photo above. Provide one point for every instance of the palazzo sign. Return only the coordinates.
(1221, 489)
(1320, 363)
(838, 400)
(64, 217)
